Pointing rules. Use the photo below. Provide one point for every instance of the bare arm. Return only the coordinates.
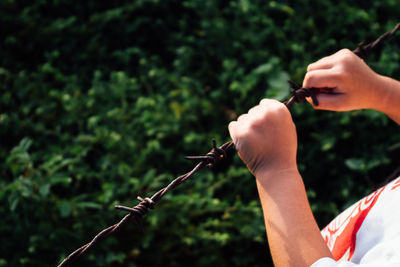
(293, 234)
(389, 102)
(266, 140)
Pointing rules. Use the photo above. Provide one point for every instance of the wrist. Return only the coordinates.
(375, 92)
(275, 175)
(386, 90)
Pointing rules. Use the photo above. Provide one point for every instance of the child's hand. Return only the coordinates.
(345, 82)
(266, 137)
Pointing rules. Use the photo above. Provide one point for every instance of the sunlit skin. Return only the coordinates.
(266, 141)
(348, 84)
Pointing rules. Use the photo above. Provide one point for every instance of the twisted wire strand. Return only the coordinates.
(298, 95)
(363, 49)
(216, 154)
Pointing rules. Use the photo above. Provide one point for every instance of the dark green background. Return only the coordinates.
(100, 101)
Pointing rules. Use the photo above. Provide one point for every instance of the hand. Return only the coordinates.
(345, 82)
(266, 137)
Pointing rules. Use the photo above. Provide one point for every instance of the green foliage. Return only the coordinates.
(100, 101)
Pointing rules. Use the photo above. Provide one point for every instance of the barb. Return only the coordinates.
(216, 154)
(299, 94)
(363, 49)
(210, 159)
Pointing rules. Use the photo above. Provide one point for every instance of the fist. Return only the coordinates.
(265, 137)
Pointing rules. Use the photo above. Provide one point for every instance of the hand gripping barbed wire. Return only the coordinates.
(298, 95)
(362, 51)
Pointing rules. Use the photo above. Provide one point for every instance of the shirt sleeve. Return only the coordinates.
(329, 262)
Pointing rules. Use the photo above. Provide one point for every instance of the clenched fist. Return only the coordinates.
(266, 137)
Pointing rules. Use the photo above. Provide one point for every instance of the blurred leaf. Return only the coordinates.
(278, 86)
(90, 205)
(44, 190)
(65, 209)
(355, 164)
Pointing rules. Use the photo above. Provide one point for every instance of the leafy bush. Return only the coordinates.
(100, 101)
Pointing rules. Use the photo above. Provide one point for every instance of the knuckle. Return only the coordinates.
(343, 56)
(347, 57)
(231, 125)
(308, 78)
(281, 109)
(254, 110)
(264, 101)
(267, 101)
(276, 112)
(338, 74)
(341, 73)
(242, 118)
(309, 75)
(310, 67)
(346, 60)
(344, 51)
(272, 103)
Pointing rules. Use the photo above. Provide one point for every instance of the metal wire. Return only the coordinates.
(216, 154)
(364, 49)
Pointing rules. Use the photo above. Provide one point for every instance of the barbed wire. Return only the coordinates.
(364, 49)
(216, 154)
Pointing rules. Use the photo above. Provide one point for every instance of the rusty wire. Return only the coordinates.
(364, 49)
(298, 95)
(216, 154)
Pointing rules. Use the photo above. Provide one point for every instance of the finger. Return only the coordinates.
(323, 90)
(324, 63)
(232, 127)
(332, 102)
(327, 62)
(235, 131)
(242, 118)
(321, 78)
(269, 102)
(258, 112)
(253, 110)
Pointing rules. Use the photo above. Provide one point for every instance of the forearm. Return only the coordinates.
(293, 234)
(389, 98)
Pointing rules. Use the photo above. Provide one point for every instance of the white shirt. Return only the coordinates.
(367, 233)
